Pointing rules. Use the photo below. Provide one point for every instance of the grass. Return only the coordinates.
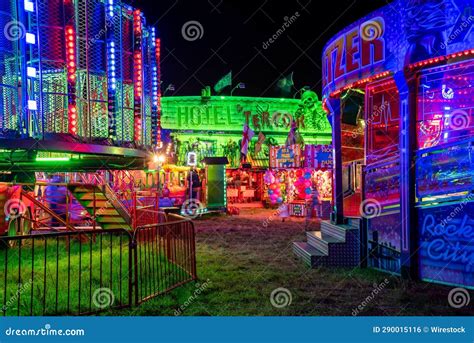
(34, 287)
(79, 276)
(240, 261)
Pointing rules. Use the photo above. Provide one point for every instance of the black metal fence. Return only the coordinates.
(85, 272)
(164, 257)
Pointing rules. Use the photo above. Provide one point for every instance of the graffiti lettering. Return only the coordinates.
(449, 243)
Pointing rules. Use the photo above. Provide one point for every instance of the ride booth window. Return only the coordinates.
(444, 174)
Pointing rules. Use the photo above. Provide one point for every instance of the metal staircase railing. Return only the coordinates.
(99, 181)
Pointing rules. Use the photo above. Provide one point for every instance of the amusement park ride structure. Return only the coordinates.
(79, 111)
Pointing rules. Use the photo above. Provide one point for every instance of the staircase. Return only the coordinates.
(103, 205)
(333, 246)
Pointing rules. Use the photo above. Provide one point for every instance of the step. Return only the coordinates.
(322, 241)
(107, 226)
(97, 203)
(82, 188)
(109, 219)
(310, 255)
(104, 211)
(354, 223)
(89, 196)
(338, 231)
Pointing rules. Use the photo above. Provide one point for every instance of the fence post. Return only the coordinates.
(193, 250)
(134, 266)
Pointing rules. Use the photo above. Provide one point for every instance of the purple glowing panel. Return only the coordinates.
(404, 32)
(445, 105)
(447, 244)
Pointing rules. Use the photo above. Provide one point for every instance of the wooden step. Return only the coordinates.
(109, 219)
(309, 254)
(322, 241)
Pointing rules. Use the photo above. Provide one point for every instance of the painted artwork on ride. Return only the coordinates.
(446, 243)
(384, 242)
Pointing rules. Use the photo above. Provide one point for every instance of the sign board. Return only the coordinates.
(285, 156)
(268, 115)
(318, 157)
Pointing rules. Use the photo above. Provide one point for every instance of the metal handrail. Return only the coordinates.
(110, 195)
(47, 210)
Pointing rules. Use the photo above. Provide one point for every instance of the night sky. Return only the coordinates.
(233, 36)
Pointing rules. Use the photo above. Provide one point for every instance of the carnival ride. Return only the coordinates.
(79, 109)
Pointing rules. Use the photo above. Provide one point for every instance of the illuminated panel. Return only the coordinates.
(138, 76)
(382, 121)
(71, 67)
(111, 70)
(445, 105)
(445, 127)
(156, 92)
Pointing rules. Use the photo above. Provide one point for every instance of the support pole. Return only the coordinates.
(334, 106)
(408, 216)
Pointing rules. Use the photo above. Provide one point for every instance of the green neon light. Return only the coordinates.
(52, 159)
